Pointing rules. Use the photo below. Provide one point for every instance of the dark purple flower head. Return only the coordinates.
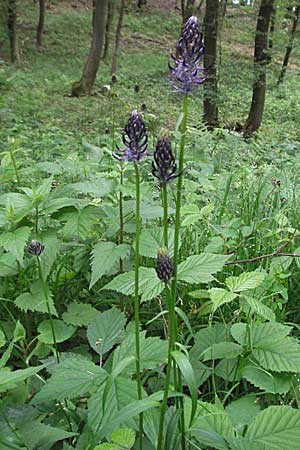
(164, 265)
(164, 166)
(135, 138)
(186, 73)
(35, 248)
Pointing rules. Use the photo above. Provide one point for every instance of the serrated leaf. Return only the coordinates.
(242, 411)
(105, 259)
(153, 351)
(72, 378)
(79, 314)
(125, 437)
(106, 330)
(260, 309)
(208, 336)
(200, 268)
(36, 299)
(220, 296)
(51, 250)
(212, 426)
(260, 332)
(151, 239)
(15, 241)
(39, 436)
(62, 331)
(149, 284)
(267, 381)
(222, 350)
(97, 188)
(80, 223)
(8, 265)
(279, 356)
(277, 427)
(245, 281)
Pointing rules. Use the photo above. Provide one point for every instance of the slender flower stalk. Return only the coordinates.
(135, 139)
(165, 270)
(136, 295)
(35, 248)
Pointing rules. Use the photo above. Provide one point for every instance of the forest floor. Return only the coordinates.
(36, 102)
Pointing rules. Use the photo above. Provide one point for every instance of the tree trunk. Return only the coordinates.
(12, 31)
(86, 83)
(140, 3)
(272, 26)
(188, 10)
(41, 24)
(290, 45)
(261, 59)
(210, 62)
(118, 37)
(110, 13)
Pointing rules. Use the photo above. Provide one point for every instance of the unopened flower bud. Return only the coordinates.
(164, 265)
(35, 248)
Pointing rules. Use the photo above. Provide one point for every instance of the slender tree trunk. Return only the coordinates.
(261, 59)
(94, 13)
(110, 13)
(272, 26)
(41, 24)
(210, 61)
(86, 83)
(188, 10)
(118, 38)
(290, 45)
(12, 31)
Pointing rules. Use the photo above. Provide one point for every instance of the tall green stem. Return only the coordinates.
(136, 295)
(176, 246)
(13, 159)
(121, 214)
(48, 308)
(165, 207)
(169, 367)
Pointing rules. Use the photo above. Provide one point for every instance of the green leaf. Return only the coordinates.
(277, 427)
(125, 437)
(79, 314)
(98, 187)
(2, 339)
(245, 281)
(80, 223)
(188, 373)
(36, 300)
(260, 309)
(225, 350)
(62, 331)
(8, 265)
(106, 330)
(267, 381)
(105, 259)
(39, 436)
(207, 337)
(279, 356)
(242, 411)
(220, 296)
(9, 379)
(15, 241)
(151, 239)
(212, 426)
(48, 258)
(150, 285)
(107, 446)
(200, 268)
(73, 377)
(153, 351)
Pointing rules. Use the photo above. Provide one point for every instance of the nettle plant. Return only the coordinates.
(76, 371)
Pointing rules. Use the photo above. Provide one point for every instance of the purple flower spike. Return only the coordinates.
(164, 166)
(186, 74)
(135, 138)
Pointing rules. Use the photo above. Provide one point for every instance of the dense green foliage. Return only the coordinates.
(67, 337)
